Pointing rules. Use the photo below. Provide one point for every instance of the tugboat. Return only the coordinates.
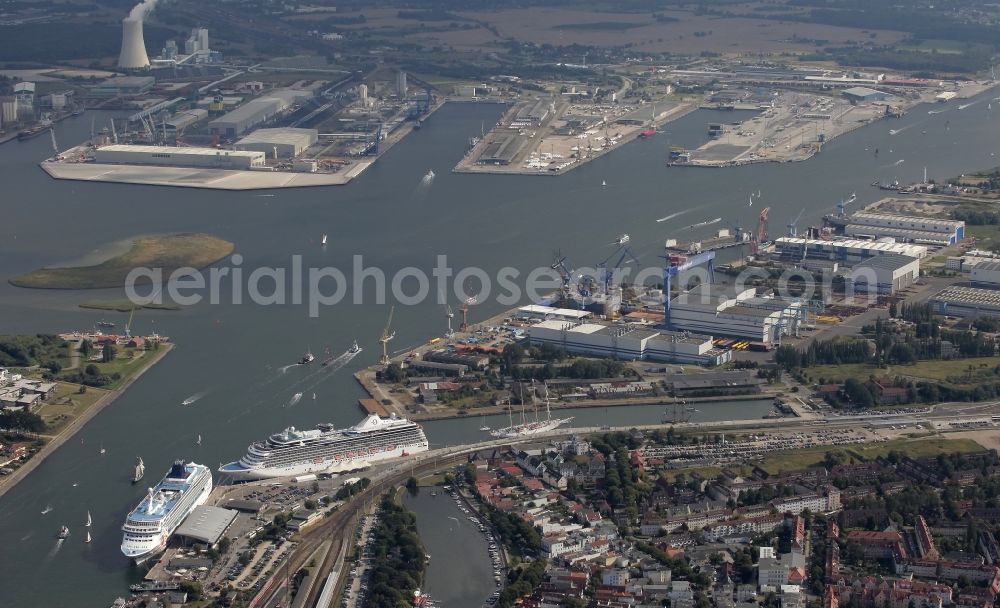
(63, 532)
(307, 358)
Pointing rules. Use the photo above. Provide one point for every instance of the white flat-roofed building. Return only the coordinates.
(885, 274)
(179, 157)
(843, 250)
(628, 342)
(722, 311)
(537, 311)
(913, 228)
(986, 274)
(285, 142)
(256, 111)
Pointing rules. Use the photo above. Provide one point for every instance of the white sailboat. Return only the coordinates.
(89, 521)
(102, 449)
(198, 442)
(86, 538)
(323, 241)
(140, 470)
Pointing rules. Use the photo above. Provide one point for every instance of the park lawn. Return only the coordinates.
(793, 460)
(66, 404)
(936, 369)
(125, 365)
(165, 252)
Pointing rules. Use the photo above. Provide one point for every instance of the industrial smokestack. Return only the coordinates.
(133, 55)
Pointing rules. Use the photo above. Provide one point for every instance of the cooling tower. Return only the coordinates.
(133, 55)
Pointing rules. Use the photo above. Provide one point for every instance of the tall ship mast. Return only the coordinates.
(326, 449)
(537, 427)
(149, 526)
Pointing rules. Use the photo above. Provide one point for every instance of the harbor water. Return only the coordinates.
(237, 357)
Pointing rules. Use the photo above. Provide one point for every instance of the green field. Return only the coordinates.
(124, 305)
(940, 370)
(987, 236)
(166, 252)
(67, 404)
(793, 460)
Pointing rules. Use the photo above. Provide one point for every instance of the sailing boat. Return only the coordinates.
(198, 442)
(140, 470)
(485, 428)
(603, 183)
(88, 522)
(323, 240)
(86, 539)
(102, 449)
(47, 509)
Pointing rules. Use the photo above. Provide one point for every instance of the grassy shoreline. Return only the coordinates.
(167, 252)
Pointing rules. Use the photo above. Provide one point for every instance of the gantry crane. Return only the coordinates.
(387, 334)
(792, 231)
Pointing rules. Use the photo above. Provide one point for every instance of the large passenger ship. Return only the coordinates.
(148, 527)
(329, 450)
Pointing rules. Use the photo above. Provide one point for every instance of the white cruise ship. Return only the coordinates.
(329, 450)
(148, 527)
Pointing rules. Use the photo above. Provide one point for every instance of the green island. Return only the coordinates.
(125, 305)
(165, 251)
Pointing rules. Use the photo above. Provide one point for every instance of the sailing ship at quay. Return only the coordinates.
(326, 449)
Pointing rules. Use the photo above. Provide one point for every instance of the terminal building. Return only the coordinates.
(848, 251)
(724, 311)
(914, 229)
(179, 157)
(206, 524)
(885, 274)
(279, 143)
(629, 342)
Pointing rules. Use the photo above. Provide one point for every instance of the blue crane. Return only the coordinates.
(670, 271)
(623, 248)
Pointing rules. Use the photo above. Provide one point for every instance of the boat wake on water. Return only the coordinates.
(193, 398)
(672, 215)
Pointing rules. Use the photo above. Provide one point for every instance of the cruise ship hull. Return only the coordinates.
(239, 472)
(142, 549)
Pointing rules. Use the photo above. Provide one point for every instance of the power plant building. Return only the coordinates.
(256, 111)
(179, 157)
(722, 311)
(133, 52)
(628, 342)
(915, 229)
(279, 143)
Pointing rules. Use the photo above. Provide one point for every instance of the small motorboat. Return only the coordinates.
(355, 349)
(63, 532)
(307, 358)
(47, 510)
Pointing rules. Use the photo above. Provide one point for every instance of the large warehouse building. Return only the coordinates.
(206, 524)
(279, 143)
(915, 229)
(723, 311)
(256, 111)
(986, 274)
(179, 157)
(885, 274)
(850, 251)
(629, 342)
(961, 301)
